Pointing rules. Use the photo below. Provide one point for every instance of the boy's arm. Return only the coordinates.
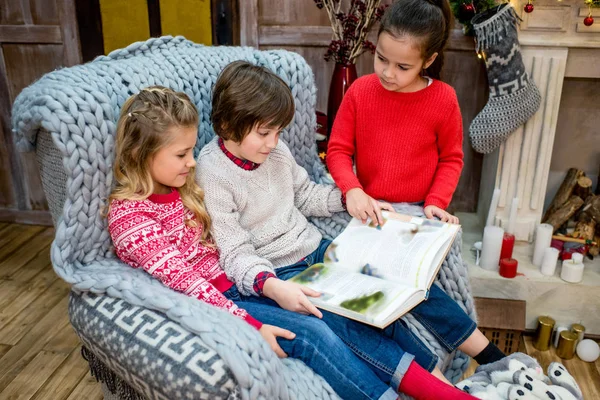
(145, 244)
(450, 164)
(238, 255)
(342, 145)
(312, 199)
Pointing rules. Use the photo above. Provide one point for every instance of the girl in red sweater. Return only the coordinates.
(158, 222)
(404, 131)
(401, 124)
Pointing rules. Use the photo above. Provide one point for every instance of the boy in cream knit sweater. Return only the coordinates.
(259, 199)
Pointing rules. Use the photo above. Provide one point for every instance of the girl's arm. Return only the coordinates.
(450, 164)
(146, 245)
(342, 142)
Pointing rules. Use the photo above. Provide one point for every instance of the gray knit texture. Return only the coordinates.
(79, 107)
(514, 98)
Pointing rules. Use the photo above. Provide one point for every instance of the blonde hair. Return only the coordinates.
(142, 130)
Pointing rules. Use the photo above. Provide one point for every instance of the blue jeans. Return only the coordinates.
(353, 375)
(439, 314)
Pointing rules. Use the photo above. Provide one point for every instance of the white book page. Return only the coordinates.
(405, 249)
(370, 298)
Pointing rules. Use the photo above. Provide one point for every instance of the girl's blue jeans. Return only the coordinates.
(439, 314)
(362, 366)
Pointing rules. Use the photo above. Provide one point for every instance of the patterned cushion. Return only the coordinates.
(156, 356)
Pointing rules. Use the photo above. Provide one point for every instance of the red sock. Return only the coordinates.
(422, 385)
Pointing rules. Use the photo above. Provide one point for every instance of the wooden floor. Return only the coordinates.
(40, 355)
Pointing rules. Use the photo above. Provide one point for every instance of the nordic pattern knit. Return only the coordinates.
(407, 146)
(152, 234)
(259, 216)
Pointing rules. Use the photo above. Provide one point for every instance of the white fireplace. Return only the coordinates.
(555, 45)
(556, 48)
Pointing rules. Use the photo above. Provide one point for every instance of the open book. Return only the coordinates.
(377, 274)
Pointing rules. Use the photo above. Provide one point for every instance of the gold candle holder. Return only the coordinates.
(566, 345)
(579, 330)
(543, 333)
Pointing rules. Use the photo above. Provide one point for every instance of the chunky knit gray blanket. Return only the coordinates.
(79, 106)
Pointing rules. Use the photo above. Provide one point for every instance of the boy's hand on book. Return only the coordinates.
(292, 296)
(362, 206)
(432, 211)
(270, 333)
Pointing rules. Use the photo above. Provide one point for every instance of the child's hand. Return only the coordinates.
(444, 216)
(270, 333)
(362, 206)
(291, 296)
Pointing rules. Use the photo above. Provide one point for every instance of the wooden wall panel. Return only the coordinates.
(297, 13)
(11, 13)
(299, 26)
(36, 36)
(44, 12)
(27, 62)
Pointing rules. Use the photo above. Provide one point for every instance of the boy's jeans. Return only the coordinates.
(439, 314)
(377, 370)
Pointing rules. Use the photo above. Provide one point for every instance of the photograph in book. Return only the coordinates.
(376, 274)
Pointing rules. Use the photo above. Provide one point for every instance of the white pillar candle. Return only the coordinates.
(571, 271)
(492, 245)
(543, 237)
(577, 257)
(557, 332)
(549, 261)
(493, 207)
(512, 216)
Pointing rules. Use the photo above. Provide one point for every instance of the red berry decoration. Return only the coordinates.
(528, 7)
(467, 11)
(588, 21)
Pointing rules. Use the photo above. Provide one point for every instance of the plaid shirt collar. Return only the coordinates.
(244, 164)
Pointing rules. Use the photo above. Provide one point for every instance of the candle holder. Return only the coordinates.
(566, 345)
(579, 330)
(543, 333)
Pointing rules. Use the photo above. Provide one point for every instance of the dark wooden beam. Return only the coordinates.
(89, 20)
(154, 18)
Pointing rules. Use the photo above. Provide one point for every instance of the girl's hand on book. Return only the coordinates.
(432, 211)
(270, 333)
(292, 296)
(362, 206)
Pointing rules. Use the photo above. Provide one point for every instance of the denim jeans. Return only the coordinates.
(350, 374)
(439, 314)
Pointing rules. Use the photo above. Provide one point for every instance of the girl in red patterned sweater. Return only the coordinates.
(158, 222)
(403, 129)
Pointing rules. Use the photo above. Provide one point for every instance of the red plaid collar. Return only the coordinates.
(244, 164)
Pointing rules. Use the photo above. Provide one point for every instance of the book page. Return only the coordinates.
(355, 295)
(405, 249)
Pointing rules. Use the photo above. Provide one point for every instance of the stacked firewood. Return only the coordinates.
(575, 210)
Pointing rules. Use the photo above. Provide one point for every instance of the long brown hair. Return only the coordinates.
(143, 129)
(428, 21)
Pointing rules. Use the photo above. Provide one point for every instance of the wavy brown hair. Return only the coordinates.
(144, 127)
